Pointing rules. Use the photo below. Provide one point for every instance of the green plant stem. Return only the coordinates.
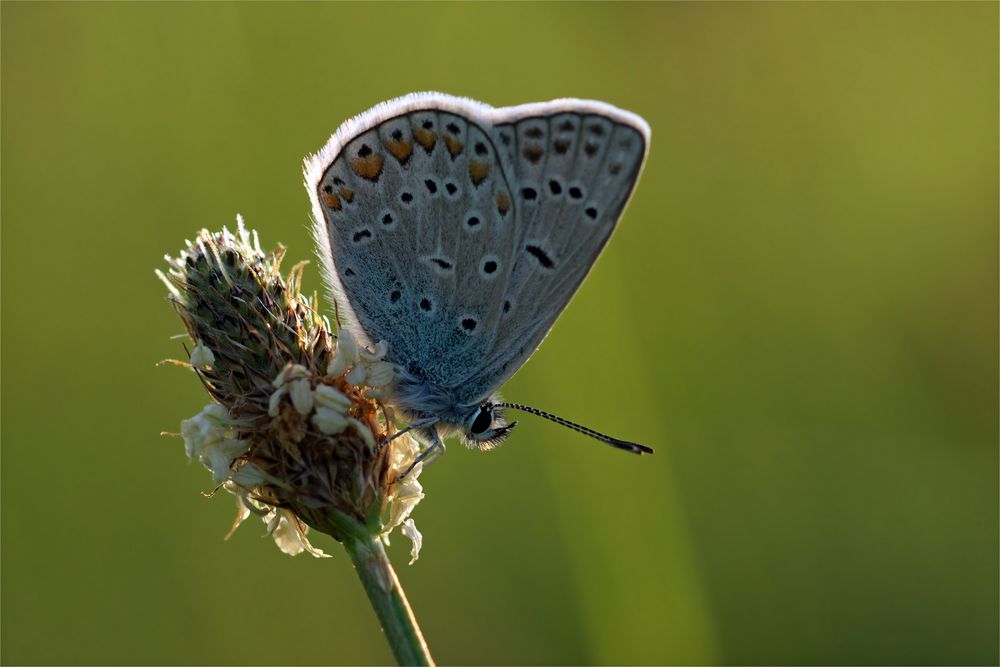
(388, 600)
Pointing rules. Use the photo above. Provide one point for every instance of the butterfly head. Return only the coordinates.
(485, 426)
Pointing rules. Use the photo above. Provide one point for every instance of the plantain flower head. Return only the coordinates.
(295, 427)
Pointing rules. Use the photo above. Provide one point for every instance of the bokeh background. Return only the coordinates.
(799, 311)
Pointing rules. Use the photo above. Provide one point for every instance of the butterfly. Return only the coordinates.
(457, 233)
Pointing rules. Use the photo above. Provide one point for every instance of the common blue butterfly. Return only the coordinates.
(458, 232)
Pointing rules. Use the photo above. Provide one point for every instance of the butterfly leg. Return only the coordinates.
(435, 455)
(436, 448)
(420, 423)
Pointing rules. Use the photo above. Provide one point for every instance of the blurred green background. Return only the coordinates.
(799, 311)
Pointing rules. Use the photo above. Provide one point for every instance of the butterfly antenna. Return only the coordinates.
(633, 447)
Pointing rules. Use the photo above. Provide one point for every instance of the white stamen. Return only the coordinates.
(201, 355)
(302, 396)
(329, 397)
(357, 375)
(330, 421)
(378, 353)
(290, 372)
(366, 433)
(274, 402)
(205, 439)
(379, 374)
(345, 355)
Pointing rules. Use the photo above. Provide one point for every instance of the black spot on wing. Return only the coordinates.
(543, 258)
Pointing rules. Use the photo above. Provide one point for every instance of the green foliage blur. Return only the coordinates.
(799, 311)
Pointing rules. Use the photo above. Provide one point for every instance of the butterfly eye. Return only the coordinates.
(483, 420)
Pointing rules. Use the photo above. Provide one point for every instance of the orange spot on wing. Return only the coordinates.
(369, 167)
(347, 194)
(401, 150)
(425, 138)
(331, 200)
(503, 203)
(478, 171)
(454, 145)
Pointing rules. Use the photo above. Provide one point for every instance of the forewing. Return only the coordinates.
(573, 165)
(415, 219)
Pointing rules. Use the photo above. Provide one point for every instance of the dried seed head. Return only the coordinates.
(295, 431)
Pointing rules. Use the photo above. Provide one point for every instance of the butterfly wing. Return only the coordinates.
(573, 166)
(412, 215)
(458, 233)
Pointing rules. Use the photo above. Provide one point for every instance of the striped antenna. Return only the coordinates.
(633, 447)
